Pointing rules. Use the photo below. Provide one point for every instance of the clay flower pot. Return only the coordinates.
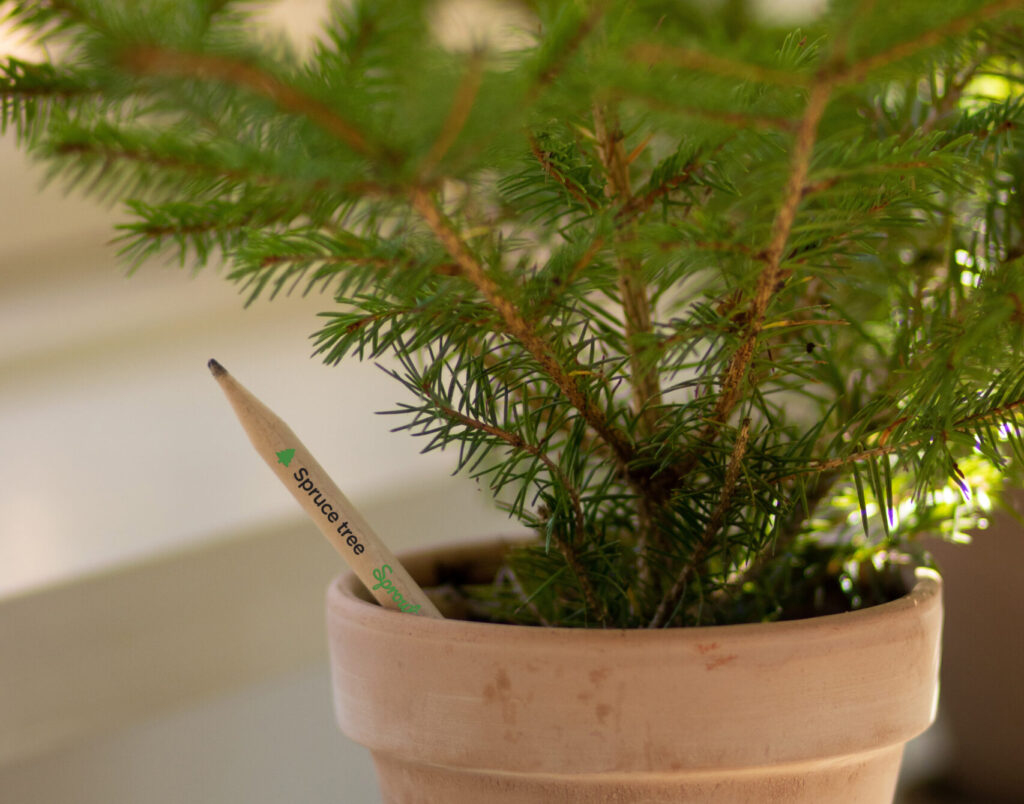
(459, 712)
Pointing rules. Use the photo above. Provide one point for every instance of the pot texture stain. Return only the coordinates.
(800, 711)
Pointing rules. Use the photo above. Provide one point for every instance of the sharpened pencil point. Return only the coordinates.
(351, 535)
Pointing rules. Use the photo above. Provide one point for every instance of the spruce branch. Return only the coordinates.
(711, 246)
(520, 329)
(566, 548)
(585, 261)
(814, 493)
(50, 17)
(771, 275)
(199, 163)
(800, 164)
(633, 206)
(736, 119)
(458, 113)
(667, 606)
(653, 53)
(632, 291)
(884, 446)
(829, 181)
(635, 306)
(29, 92)
(549, 73)
(517, 587)
(278, 269)
(158, 61)
(949, 100)
(553, 171)
(932, 37)
(296, 260)
(198, 230)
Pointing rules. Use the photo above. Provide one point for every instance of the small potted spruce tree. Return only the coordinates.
(727, 314)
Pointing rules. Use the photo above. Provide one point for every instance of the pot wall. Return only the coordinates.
(811, 710)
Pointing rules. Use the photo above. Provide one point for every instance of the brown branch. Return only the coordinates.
(35, 93)
(884, 438)
(506, 572)
(858, 71)
(554, 69)
(556, 174)
(701, 61)
(441, 269)
(689, 333)
(564, 547)
(742, 120)
(801, 160)
(109, 154)
(639, 149)
(158, 61)
(817, 491)
(458, 114)
(611, 151)
(863, 455)
(517, 326)
(636, 310)
(156, 231)
(885, 448)
(951, 97)
(771, 276)
(584, 262)
(637, 313)
(829, 182)
(635, 206)
(632, 291)
(668, 604)
(515, 385)
(707, 245)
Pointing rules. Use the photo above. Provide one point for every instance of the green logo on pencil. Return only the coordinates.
(285, 456)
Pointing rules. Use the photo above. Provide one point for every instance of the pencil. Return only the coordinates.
(350, 534)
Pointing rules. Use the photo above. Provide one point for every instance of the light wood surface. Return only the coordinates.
(116, 648)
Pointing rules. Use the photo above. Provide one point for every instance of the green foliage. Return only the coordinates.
(729, 315)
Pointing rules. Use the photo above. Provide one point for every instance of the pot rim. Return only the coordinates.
(655, 700)
(348, 598)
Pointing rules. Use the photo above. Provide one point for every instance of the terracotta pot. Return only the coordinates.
(811, 710)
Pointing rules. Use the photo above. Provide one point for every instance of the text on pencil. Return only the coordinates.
(383, 582)
(320, 501)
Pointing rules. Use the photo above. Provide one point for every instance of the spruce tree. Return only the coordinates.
(729, 314)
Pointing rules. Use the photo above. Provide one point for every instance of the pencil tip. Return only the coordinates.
(216, 369)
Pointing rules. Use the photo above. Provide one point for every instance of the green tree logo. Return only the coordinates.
(285, 456)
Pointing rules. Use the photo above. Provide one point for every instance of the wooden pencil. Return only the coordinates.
(344, 527)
